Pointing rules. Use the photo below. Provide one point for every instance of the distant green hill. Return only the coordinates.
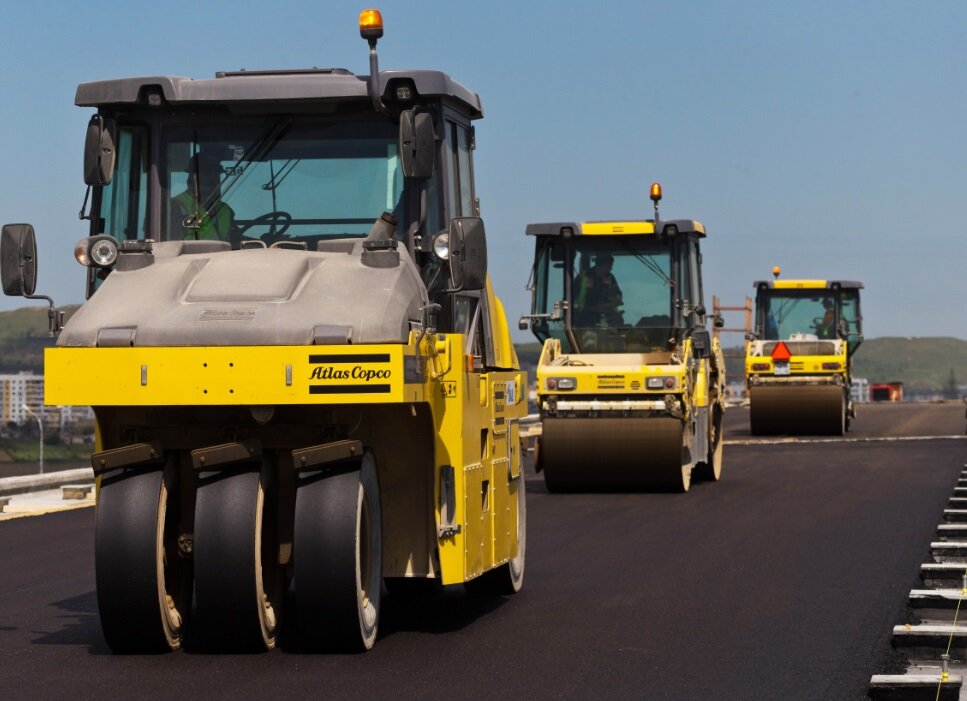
(922, 364)
(23, 337)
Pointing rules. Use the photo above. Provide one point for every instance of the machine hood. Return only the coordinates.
(252, 297)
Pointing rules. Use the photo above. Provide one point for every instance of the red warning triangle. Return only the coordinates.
(781, 352)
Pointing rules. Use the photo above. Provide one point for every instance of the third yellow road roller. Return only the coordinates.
(798, 360)
(629, 382)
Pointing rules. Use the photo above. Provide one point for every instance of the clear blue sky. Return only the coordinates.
(827, 137)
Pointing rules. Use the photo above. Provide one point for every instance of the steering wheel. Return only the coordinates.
(280, 219)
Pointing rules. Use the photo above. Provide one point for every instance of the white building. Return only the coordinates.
(26, 388)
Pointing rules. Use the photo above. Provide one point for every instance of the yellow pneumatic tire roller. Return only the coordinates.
(798, 410)
(604, 454)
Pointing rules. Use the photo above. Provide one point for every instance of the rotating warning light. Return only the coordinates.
(655, 192)
(775, 272)
(370, 24)
(781, 352)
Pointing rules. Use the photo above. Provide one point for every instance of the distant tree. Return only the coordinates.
(950, 386)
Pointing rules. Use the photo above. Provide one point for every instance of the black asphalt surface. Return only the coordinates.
(782, 581)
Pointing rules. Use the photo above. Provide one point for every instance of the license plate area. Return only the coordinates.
(782, 367)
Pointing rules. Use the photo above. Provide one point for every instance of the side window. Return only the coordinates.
(470, 319)
(685, 277)
(459, 171)
(695, 296)
(124, 202)
(849, 316)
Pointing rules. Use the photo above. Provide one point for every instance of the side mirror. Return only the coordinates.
(417, 144)
(18, 260)
(719, 322)
(523, 324)
(99, 151)
(468, 254)
(702, 343)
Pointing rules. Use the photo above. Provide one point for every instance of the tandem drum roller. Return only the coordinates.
(798, 410)
(614, 454)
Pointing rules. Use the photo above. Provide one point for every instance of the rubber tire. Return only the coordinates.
(337, 556)
(508, 578)
(238, 583)
(711, 469)
(143, 584)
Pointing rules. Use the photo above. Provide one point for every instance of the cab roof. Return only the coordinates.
(808, 284)
(287, 86)
(608, 228)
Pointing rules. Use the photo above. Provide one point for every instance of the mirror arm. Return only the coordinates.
(55, 317)
(87, 196)
(418, 226)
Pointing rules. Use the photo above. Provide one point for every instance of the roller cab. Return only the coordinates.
(629, 381)
(304, 384)
(798, 363)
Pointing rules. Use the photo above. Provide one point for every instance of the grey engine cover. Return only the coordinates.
(252, 297)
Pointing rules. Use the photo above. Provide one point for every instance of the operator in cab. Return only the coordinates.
(597, 295)
(199, 210)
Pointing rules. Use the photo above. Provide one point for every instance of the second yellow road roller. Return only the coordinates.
(798, 360)
(629, 382)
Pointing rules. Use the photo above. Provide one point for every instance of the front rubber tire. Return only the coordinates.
(238, 583)
(143, 581)
(338, 559)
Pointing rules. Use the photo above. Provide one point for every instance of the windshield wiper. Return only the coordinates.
(256, 151)
(650, 263)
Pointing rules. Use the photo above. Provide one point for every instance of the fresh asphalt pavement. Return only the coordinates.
(782, 581)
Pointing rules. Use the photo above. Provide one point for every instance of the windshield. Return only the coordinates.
(820, 314)
(279, 180)
(621, 293)
(811, 314)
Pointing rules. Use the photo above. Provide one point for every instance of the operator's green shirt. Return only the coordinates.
(213, 227)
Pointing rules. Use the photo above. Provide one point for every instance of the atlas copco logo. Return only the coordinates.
(358, 372)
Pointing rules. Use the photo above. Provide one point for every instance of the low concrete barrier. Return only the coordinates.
(50, 480)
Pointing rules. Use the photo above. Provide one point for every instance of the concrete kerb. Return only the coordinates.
(24, 484)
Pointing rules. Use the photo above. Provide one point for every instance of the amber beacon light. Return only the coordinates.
(655, 192)
(370, 24)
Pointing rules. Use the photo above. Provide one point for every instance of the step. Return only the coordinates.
(937, 599)
(927, 641)
(952, 531)
(958, 515)
(957, 502)
(945, 571)
(949, 551)
(914, 687)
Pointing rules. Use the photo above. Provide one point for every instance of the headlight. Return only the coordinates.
(661, 383)
(80, 252)
(102, 251)
(441, 246)
(562, 383)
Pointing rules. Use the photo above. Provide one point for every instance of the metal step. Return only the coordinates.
(914, 687)
(948, 551)
(952, 531)
(940, 575)
(955, 515)
(938, 599)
